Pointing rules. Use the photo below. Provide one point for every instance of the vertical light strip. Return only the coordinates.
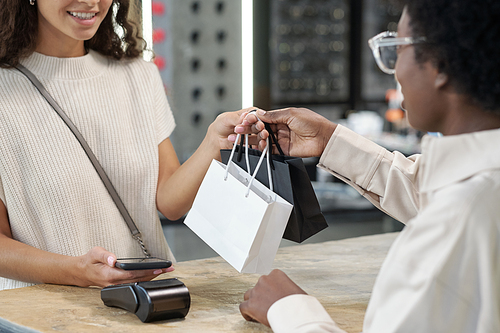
(247, 53)
(147, 26)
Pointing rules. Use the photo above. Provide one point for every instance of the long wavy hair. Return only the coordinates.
(19, 31)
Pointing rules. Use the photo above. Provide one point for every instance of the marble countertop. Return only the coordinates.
(340, 274)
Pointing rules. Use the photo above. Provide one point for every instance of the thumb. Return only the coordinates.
(111, 259)
(244, 311)
(274, 117)
(100, 254)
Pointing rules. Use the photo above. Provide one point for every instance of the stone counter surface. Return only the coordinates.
(340, 274)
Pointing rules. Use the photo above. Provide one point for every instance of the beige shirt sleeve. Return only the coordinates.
(389, 180)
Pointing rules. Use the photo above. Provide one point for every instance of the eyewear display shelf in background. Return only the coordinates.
(319, 55)
(198, 51)
(311, 53)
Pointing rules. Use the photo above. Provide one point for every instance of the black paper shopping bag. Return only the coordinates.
(292, 183)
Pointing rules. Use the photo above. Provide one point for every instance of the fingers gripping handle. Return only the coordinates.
(269, 161)
(263, 155)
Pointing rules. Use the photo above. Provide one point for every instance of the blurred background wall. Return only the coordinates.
(223, 55)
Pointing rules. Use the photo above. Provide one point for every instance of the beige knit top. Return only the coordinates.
(55, 199)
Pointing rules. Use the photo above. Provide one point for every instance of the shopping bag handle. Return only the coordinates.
(274, 140)
(264, 153)
(240, 151)
(244, 142)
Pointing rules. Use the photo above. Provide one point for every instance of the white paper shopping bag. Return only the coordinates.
(239, 218)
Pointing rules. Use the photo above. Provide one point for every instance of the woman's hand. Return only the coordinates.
(97, 268)
(224, 126)
(178, 185)
(300, 132)
(23, 262)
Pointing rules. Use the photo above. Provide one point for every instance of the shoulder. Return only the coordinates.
(136, 66)
(13, 87)
(463, 215)
(143, 74)
(136, 73)
(482, 209)
(473, 197)
(465, 211)
(9, 74)
(460, 218)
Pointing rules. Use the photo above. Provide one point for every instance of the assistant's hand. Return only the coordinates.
(268, 290)
(300, 132)
(97, 268)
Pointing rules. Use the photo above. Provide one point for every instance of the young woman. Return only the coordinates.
(58, 224)
(442, 273)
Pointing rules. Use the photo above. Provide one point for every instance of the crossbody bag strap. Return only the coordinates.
(95, 162)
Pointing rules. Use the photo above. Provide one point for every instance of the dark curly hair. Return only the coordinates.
(19, 30)
(463, 42)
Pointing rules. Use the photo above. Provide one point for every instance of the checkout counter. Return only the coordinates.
(339, 273)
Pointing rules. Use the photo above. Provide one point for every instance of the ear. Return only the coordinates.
(441, 80)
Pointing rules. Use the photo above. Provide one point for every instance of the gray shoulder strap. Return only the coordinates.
(102, 174)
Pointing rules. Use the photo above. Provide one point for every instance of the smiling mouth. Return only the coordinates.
(83, 16)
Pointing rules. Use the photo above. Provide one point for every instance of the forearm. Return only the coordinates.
(22, 262)
(388, 180)
(176, 194)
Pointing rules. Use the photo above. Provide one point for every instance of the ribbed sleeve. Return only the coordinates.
(165, 123)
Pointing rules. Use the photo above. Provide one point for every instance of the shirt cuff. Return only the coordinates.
(352, 156)
(300, 313)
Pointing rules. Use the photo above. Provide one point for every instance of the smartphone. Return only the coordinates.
(142, 263)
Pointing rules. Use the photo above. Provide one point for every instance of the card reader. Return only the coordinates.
(151, 300)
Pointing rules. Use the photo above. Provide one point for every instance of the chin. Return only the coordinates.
(85, 37)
